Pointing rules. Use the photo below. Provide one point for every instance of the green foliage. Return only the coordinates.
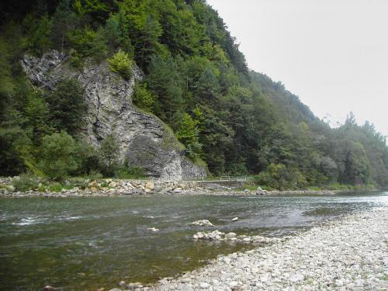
(121, 64)
(55, 187)
(196, 81)
(67, 106)
(39, 30)
(280, 177)
(129, 171)
(25, 182)
(63, 22)
(15, 147)
(188, 134)
(58, 155)
(87, 42)
(144, 98)
(87, 157)
(109, 156)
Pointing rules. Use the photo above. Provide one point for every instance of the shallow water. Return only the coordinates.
(87, 243)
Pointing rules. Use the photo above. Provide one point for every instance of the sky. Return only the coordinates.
(333, 54)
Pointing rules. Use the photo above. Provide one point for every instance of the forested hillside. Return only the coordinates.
(196, 80)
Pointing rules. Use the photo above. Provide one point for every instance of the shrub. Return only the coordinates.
(58, 157)
(109, 156)
(25, 182)
(131, 172)
(144, 98)
(55, 187)
(121, 64)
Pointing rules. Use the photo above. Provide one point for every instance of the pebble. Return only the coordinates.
(348, 254)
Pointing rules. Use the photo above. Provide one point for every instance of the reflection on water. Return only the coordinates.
(88, 243)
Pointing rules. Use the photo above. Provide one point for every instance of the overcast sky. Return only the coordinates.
(333, 54)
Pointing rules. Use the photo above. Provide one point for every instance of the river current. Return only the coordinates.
(87, 243)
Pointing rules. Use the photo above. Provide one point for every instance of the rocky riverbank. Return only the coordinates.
(122, 187)
(351, 254)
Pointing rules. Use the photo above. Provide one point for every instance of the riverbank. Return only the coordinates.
(115, 187)
(350, 254)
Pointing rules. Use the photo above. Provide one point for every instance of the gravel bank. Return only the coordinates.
(351, 254)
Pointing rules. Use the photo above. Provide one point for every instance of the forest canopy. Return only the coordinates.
(196, 80)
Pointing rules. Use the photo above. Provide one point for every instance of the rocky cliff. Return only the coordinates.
(144, 140)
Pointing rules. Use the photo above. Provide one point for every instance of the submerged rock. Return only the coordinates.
(202, 222)
(153, 229)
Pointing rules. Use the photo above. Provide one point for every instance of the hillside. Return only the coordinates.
(196, 81)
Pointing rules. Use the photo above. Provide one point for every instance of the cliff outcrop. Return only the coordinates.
(144, 140)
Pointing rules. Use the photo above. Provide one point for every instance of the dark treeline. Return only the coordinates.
(197, 81)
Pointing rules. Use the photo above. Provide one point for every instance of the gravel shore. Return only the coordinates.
(350, 254)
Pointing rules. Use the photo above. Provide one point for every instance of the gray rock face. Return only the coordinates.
(143, 139)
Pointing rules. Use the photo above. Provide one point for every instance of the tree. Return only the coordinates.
(143, 97)
(58, 155)
(109, 155)
(67, 106)
(63, 21)
(188, 134)
(14, 148)
(121, 64)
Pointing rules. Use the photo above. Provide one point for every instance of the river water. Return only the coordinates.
(87, 243)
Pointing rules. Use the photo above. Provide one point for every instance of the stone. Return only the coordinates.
(202, 222)
(260, 191)
(230, 235)
(150, 185)
(235, 219)
(204, 285)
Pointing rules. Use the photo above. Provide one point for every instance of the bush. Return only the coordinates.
(109, 155)
(144, 98)
(58, 155)
(25, 182)
(121, 64)
(131, 172)
(55, 187)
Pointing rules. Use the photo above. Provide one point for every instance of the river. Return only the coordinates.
(87, 243)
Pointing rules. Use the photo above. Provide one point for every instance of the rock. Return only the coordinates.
(227, 260)
(260, 191)
(143, 139)
(204, 285)
(150, 186)
(93, 184)
(202, 222)
(115, 289)
(122, 284)
(112, 184)
(297, 278)
(235, 219)
(214, 235)
(153, 229)
(93, 189)
(230, 235)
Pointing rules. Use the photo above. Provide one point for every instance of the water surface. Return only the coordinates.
(87, 243)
